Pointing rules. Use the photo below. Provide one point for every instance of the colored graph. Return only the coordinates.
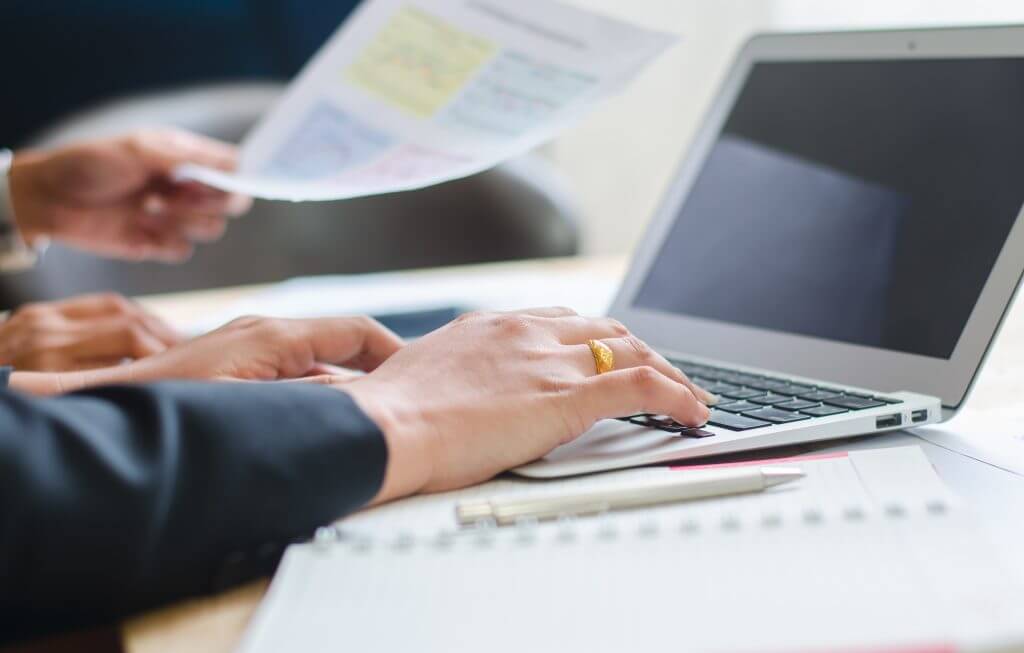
(514, 93)
(326, 142)
(419, 62)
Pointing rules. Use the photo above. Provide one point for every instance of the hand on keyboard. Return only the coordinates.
(489, 392)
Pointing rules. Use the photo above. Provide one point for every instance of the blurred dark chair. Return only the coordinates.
(518, 210)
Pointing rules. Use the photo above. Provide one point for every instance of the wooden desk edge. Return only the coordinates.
(211, 624)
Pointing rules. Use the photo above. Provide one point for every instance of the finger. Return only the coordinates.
(640, 390)
(204, 228)
(192, 197)
(116, 338)
(576, 330)
(163, 150)
(631, 351)
(169, 221)
(111, 304)
(93, 305)
(87, 307)
(336, 373)
(357, 342)
(320, 369)
(547, 311)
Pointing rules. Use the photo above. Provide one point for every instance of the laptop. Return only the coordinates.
(837, 250)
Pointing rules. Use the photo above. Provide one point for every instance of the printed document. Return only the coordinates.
(410, 93)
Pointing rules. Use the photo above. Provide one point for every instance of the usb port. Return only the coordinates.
(889, 421)
(919, 416)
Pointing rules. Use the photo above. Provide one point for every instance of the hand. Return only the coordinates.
(84, 332)
(489, 392)
(116, 197)
(268, 349)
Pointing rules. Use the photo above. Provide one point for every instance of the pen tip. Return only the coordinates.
(779, 475)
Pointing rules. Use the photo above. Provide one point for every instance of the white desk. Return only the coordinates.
(215, 624)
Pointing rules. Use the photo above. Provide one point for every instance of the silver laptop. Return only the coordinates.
(837, 251)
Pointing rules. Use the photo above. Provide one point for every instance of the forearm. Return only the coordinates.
(48, 384)
(119, 499)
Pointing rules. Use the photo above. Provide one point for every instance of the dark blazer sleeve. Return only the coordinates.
(119, 499)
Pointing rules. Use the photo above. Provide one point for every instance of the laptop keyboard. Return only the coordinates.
(753, 401)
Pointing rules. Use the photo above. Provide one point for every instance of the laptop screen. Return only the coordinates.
(855, 201)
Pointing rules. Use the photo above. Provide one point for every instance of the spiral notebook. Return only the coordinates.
(870, 552)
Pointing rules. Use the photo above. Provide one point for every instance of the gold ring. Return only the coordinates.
(604, 359)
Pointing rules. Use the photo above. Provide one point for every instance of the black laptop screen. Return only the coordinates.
(863, 202)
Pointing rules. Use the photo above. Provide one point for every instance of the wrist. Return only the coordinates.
(83, 379)
(57, 383)
(36, 383)
(33, 225)
(407, 436)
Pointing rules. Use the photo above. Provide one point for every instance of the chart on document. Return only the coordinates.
(408, 94)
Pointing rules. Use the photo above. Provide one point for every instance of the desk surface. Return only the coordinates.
(215, 624)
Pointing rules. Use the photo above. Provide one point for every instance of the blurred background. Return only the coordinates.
(214, 66)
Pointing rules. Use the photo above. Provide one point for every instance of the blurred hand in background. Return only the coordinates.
(117, 196)
(86, 332)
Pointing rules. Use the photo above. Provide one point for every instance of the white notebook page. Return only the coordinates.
(869, 553)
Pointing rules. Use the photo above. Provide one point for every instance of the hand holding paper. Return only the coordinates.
(409, 94)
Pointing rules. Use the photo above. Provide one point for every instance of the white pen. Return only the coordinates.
(695, 485)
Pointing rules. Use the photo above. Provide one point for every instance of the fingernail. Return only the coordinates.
(708, 398)
(238, 205)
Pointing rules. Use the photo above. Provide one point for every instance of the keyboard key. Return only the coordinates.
(742, 378)
(735, 378)
(737, 406)
(669, 425)
(689, 368)
(695, 433)
(655, 421)
(819, 395)
(735, 422)
(824, 411)
(770, 399)
(775, 415)
(715, 375)
(761, 384)
(743, 393)
(853, 403)
(721, 388)
(797, 388)
(889, 400)
(776, 385)
(796, 404)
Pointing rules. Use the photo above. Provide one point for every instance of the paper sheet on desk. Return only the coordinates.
(410, 93)
(783, 570)
(834, 482)
(994, 437)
